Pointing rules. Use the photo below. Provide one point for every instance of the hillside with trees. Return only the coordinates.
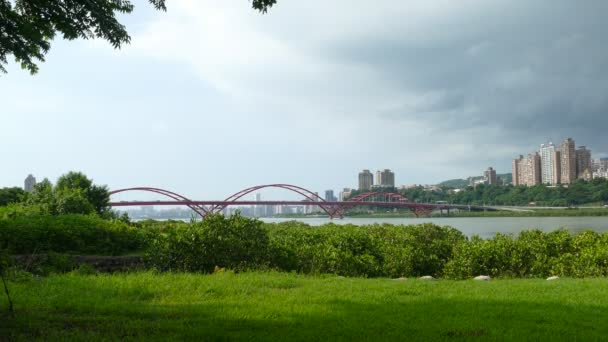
(458, 183)
(578, 193)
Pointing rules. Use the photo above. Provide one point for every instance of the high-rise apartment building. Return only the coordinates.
(489, 176)
(549, 159)
(385, 178)
(532, 173)
(568, 161)
(584, 169)
(526, 171)
(366, 180)
(557, 166)
(29, 183)
(515, 170)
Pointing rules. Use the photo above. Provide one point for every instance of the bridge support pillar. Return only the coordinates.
(421, 211)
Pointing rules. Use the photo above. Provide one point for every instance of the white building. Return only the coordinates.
(548, 164)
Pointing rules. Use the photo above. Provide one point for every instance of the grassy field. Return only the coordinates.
(281, 306)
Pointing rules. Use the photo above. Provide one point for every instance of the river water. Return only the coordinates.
(485, 227)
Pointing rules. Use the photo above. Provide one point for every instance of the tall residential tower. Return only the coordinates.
(489, 176)
(584, 168)
(526, 171)
(549, 159)
(385, 178)
(568, 161)
(366, 180)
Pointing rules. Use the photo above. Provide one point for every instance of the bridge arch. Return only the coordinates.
(199, 209)
(309, 195)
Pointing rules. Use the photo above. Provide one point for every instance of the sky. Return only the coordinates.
(212, 97)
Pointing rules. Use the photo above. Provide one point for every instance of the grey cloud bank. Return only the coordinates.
(313, 92)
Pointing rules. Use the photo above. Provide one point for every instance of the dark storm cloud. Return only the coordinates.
(536, 69)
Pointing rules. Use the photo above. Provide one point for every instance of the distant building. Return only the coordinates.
(601, 173)
(515, 170)
(408, 186)
(345, 194)
(549, 159)
(30, 182)
(329, 196)
(527, 171)
(489, 176)
(584, 168)
(475, 181)
(385, 178)
(431, 187)
(366, 180)
(557, 167)
(258, 210)
(568, 162)
(600, 164)
(269, 210)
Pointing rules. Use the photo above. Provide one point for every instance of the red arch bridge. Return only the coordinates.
(332, 208)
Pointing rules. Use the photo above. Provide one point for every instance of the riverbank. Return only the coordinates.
(259, 306)
(530, 212)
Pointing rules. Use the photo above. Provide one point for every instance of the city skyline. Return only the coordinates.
(544, 166)
(554, 165)
(207, 74)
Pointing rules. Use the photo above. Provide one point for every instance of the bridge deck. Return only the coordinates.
(319, 203)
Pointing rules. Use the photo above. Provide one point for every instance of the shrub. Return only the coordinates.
(479, 256)
(73, 234)
(532, 254)
(363, 251)
(236, 242)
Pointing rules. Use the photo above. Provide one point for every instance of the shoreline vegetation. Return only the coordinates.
(580, 211)
(244, 244)
(243, 279)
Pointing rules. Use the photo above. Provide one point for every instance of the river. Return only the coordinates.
(485, 227)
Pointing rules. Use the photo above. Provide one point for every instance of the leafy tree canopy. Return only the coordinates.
(27, 27)
(10, 195)
(74, 193)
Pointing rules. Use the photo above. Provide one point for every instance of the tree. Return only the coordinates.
(74, 193)
(11, 195)
(72, 202)
(28, 26)
(42, 196)
(82, 188)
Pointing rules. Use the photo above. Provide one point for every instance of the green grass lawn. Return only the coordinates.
(280, 306)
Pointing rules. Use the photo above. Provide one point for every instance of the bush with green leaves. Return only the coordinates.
(364, 251)
(235, 242)
(379, 250)
(532, 253)
(73, 234)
